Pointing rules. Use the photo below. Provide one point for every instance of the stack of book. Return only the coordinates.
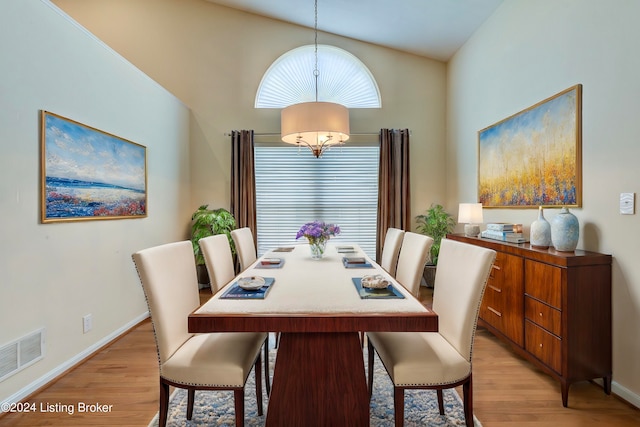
(505, 232)
(355, 262)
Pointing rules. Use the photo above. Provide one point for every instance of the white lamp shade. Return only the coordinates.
(315, 124)
(470, 213)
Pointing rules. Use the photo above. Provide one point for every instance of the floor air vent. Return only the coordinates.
(21, 353)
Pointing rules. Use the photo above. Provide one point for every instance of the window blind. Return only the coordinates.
(293, 187)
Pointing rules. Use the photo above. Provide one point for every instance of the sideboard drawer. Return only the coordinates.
(546, 316)
(491, 302)
(543, 282)
(543, 345)
(502, 304)
(492, 314)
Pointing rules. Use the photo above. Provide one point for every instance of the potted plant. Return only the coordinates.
(436, 223)
(205, 223)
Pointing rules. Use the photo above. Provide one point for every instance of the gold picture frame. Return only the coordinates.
(534, 157)
(89, 174)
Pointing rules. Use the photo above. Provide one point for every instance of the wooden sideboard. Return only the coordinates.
(554, 308)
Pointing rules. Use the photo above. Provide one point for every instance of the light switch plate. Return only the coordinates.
(627, 203)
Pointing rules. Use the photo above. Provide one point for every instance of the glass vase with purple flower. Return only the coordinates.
(318, 234)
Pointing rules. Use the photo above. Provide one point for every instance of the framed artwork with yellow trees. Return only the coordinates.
(534, 157)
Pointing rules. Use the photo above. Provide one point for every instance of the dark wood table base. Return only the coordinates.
(319, 380)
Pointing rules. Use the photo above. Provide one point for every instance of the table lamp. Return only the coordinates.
(470, 214)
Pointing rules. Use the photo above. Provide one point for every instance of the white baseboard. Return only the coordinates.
(626, 394)
(80, 357)
(622, 392)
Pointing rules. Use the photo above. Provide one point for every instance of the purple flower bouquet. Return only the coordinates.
(317, 233)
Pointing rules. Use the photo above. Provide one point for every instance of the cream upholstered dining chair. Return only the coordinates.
(391, 250)
(218, 258)
(439, 360)
(389, 256)
(413, 256)
(245, 246)
(215, 361)
(247, 255)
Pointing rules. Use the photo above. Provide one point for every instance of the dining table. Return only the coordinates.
(320, 309)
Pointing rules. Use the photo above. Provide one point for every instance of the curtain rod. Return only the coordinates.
(278, 134)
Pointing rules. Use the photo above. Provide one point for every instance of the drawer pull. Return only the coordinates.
(540, 345)
(494, 288)
(540, 314)
(495, 266)
(496, 312)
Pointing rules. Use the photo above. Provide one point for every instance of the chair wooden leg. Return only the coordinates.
(440, 401)
(164, 403)
(370, 350)
(191, 394)
(258, 372)
(238, 399)
(266, 367)
(398, 405)
(467, 393)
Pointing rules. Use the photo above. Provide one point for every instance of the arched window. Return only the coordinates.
(342, 79)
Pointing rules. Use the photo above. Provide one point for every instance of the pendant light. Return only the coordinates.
(316, 125)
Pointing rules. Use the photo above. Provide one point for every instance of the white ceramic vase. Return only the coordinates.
(540, 234)
(565, 231)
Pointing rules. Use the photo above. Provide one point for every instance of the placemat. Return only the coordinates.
(236, 292)
(389, 292)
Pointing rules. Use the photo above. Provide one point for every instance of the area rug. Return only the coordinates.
(215, 408)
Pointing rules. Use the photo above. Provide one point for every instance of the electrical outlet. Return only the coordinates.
(87, 323)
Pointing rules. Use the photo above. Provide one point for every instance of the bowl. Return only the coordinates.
(252, 283)
(376, 281)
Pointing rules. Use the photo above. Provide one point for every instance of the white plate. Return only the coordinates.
(252, 283)
(374, 282)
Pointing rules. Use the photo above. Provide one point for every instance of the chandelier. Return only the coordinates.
(316, 125)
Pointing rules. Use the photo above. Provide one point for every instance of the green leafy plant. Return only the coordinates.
(208, 222)
(436, 223)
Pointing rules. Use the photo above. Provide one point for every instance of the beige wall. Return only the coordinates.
(213, 58)
(53, 274)
(527, 51)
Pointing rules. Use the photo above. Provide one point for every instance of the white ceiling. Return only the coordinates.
(432, 28)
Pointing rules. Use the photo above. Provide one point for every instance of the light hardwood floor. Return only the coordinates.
(508, 391)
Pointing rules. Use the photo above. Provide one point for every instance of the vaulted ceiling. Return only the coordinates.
(431, 28)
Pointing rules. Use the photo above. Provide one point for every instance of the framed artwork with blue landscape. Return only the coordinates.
(88, 174)
(534, 158)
